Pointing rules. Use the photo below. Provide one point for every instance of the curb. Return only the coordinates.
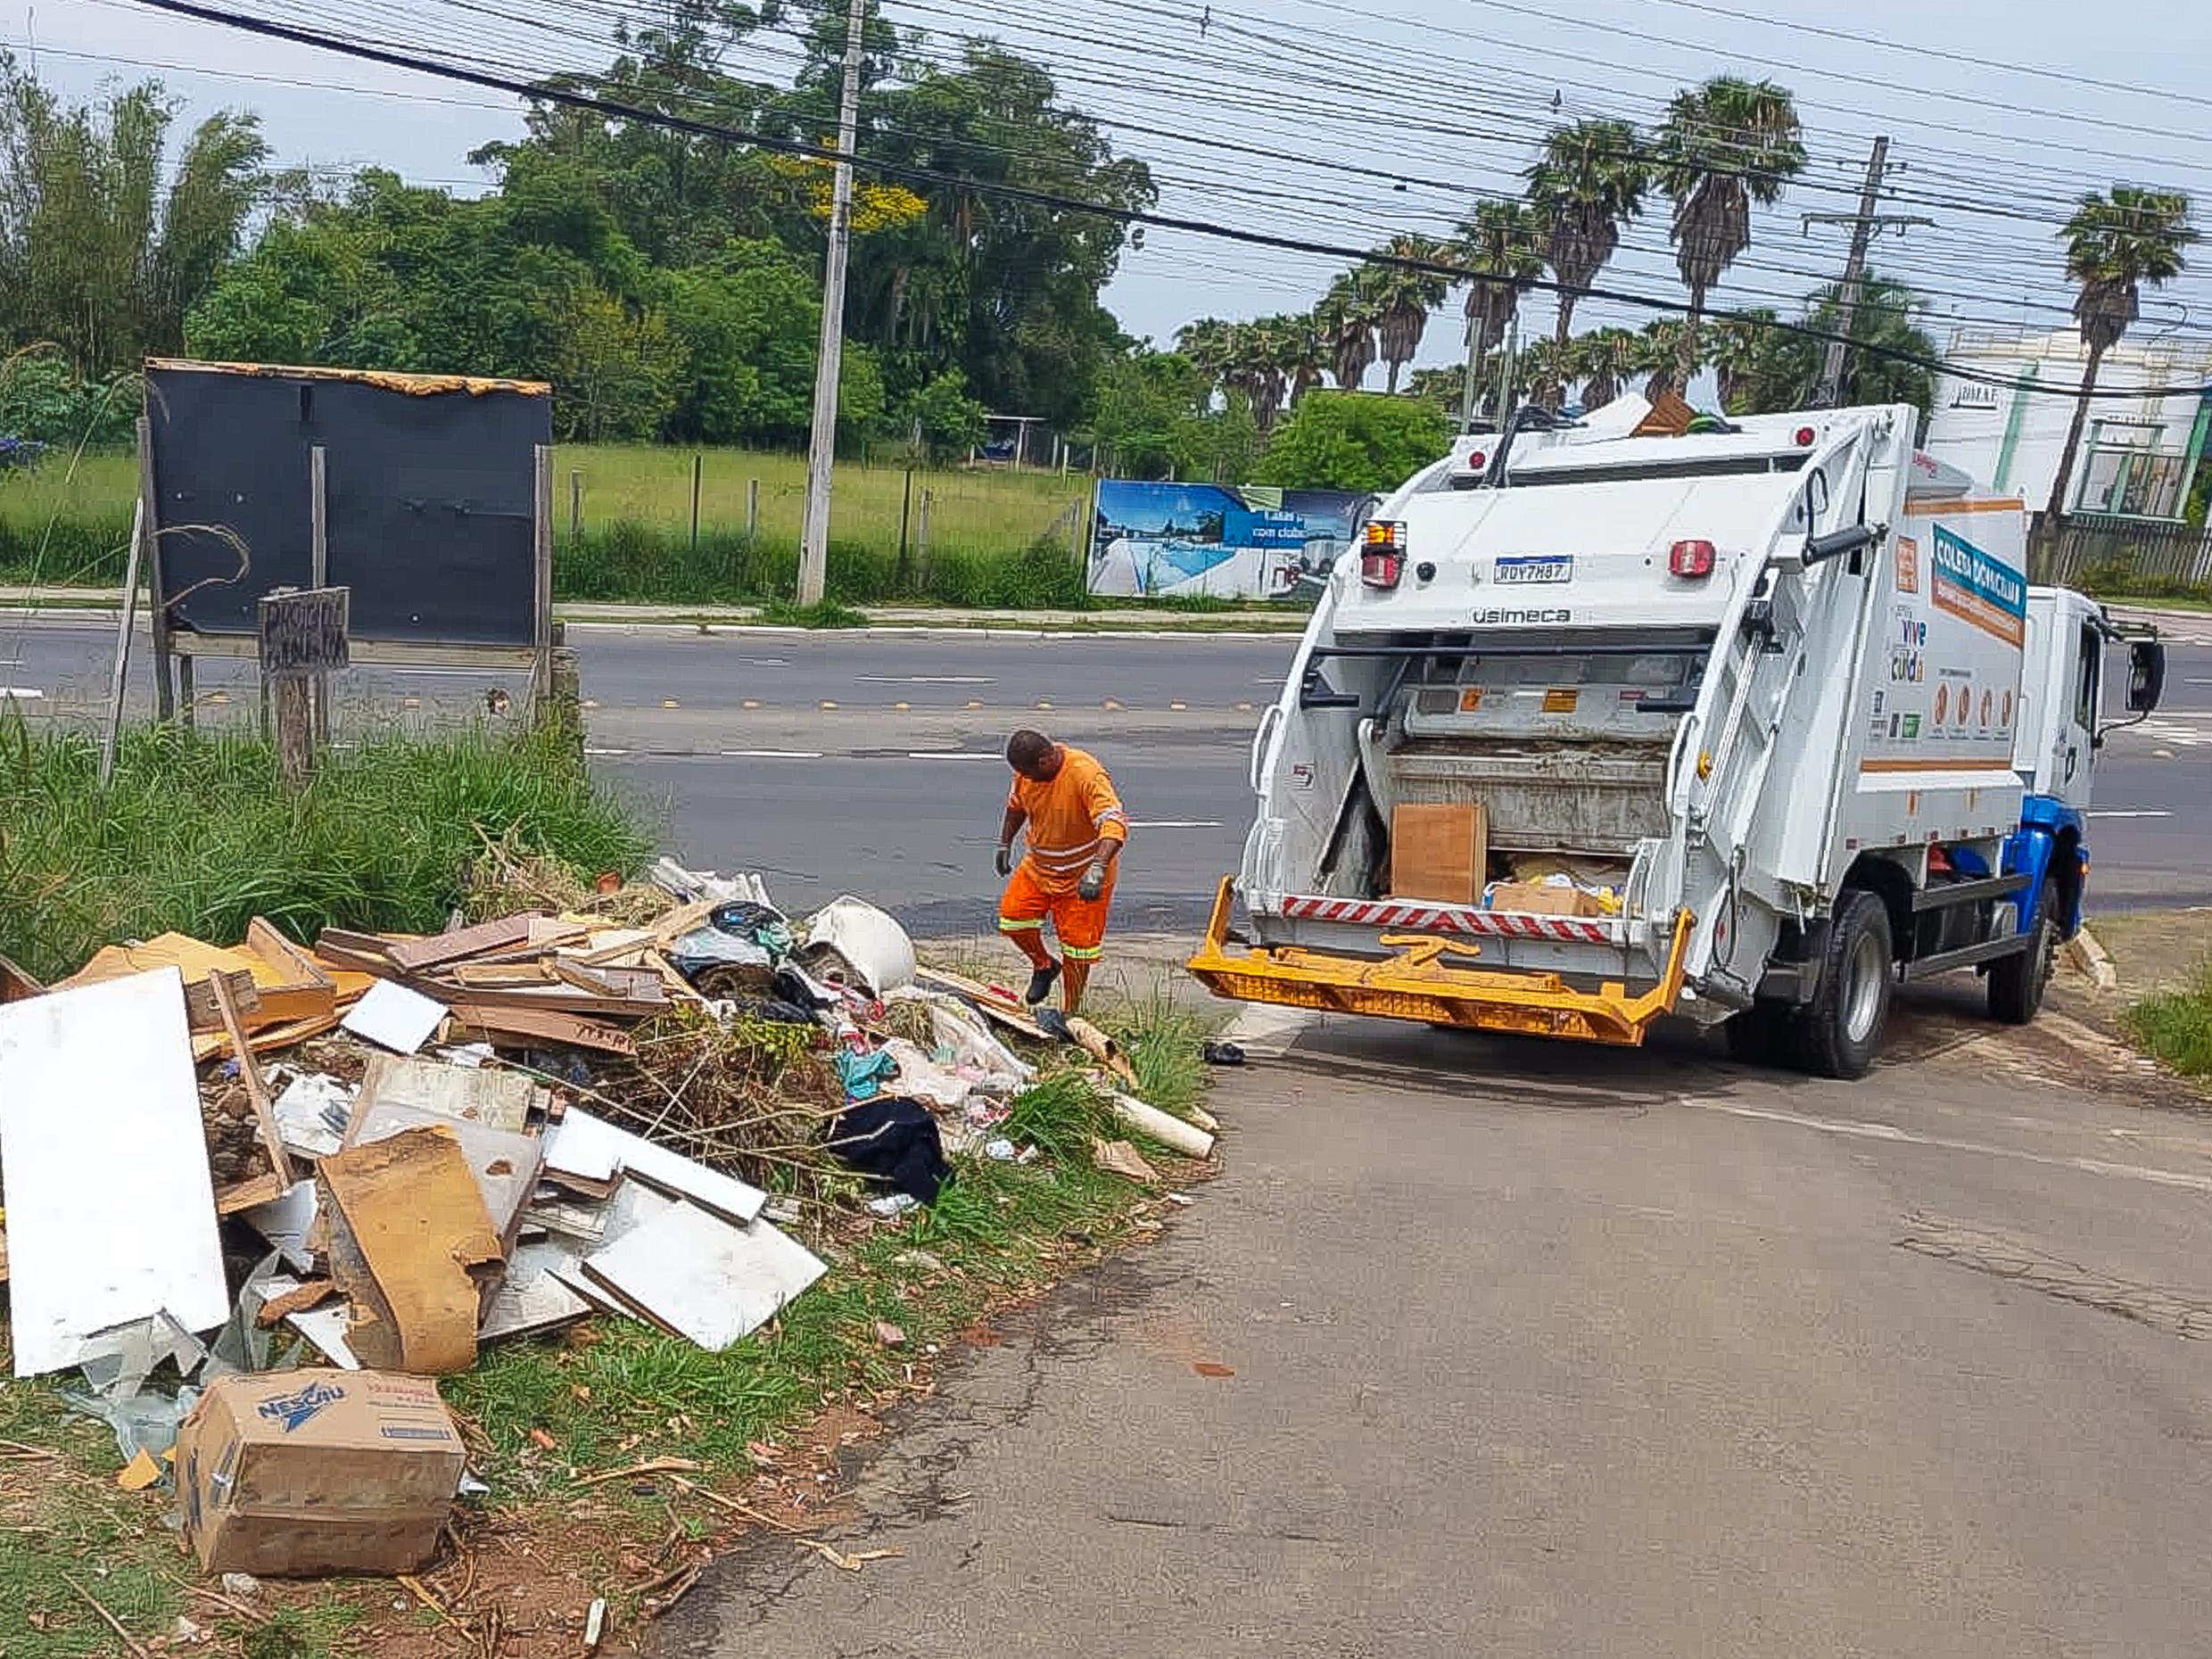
(2092, 958)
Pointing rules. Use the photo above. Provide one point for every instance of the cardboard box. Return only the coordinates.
(1440, 852)
(288, 1472)
(1540, 898)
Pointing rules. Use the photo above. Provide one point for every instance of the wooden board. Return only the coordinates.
(1006, 1010)
(524, 1028)
(208, 1045)
(587, 1143)
(418, 954)
(695, 1275)
(110, 1209)
(505, 1162)
(284, 996)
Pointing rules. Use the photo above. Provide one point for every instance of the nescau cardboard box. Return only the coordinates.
(303, 1472)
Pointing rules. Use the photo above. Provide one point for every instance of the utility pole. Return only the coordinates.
(1864, 224)
(822, 442)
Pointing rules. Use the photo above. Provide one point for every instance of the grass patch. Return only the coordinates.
(826, 613)
(2176, 1025)
(197, 834)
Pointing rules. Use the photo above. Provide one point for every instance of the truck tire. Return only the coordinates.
(1839, 1031)
(2017, 983)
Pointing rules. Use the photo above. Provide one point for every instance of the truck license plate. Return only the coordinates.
(1545, 567)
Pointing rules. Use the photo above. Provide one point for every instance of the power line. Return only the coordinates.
(1032, 196)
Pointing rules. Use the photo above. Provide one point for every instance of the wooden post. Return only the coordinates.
(752, 510)
(108, 738)
(318, 568)
(921, 536)
(698, 465)
(541, 678)
(187, 696)
(561, 714)
(575, 505)
(303, 635)
(249, 1069)
(150, 528)
(906, 509)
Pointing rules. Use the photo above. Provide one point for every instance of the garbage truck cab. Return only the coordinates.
(1598, 724)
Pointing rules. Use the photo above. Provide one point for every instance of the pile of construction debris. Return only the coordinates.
(375, 1154)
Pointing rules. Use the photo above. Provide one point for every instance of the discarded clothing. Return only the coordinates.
(760, 925)
(865, 1075)
(894, 1140)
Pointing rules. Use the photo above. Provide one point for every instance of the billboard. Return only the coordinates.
(1159, 540)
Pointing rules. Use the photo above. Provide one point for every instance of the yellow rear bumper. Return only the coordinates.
(1419, 982)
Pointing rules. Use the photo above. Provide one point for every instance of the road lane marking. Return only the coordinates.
(1858, 1129)
(927, 680)
(2130, 811)
(1175, 823)
(772, 755)
(22, 694)
(968, 754)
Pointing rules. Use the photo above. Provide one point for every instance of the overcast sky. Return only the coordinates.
(1446, 99)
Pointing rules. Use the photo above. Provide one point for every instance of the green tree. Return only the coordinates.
(1542, 370)
(1585, 187)
(1345, 320)
(616, 368)
(2115, 242)
(97, 253)
(1354, 440)
(1403, 298)
(1723, 146)
(1763, 370)
(1501, 245)
(1739, 348)
(1666, 356)
(1155, 419)
(948, 422)
(1602, 360)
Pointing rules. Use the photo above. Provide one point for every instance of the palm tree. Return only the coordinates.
(1602, 360)
(1890, 359)
(1543, 371)
(1301, 355)
(1738, 348)
(1207, 343)
(1723, 146)
(2114, 244)
(1501, 245)
(1668, 356)
(1265, 345)
(1404, 297)
(1346, 320)
(1588, 184)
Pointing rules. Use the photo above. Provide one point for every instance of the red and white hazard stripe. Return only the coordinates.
(1460, 919)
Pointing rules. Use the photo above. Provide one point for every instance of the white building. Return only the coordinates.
(2138, 453)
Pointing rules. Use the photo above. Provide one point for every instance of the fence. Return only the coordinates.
(2118, 552)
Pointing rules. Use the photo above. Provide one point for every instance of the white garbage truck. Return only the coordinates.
(1746, 724)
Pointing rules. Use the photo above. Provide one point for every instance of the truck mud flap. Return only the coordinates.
(1431, 981)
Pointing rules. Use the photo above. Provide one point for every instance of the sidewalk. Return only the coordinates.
(87, 603)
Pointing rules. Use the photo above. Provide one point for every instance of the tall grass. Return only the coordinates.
(2176, 1025)
(622, 529)
(197, 834)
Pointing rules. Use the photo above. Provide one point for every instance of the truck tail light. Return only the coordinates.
(1690, 559)
(1383, 554)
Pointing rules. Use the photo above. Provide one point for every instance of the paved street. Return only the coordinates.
(826, 761)
(1483, 1346)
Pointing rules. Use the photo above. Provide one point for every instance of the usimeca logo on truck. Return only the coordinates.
(1526, 619)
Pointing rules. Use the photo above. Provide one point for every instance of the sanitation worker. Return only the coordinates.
(1076, 830)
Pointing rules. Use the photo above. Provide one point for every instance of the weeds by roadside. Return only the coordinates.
(2176, 1025)
(197, 834)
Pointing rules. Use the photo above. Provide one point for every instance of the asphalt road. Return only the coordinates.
(828, 762)
(1482, 1347)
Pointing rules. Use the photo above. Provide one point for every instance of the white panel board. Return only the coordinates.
(696, 1275)
(393, 1016)
(110, 1207)
(585, 1146)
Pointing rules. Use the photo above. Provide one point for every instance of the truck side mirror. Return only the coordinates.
(2146, 675)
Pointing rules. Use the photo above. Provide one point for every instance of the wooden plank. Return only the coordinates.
(1008, 1011)
(110, 1209)
(270, 1040)
(250, 1074)
(203, 1011)
(283, 998)
(418, 954)
(299, 969)
(15, 985)
(564, 999)
(523, 1027)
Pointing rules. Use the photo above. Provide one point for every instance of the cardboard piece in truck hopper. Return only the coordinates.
(286, 1472)
(1440, 852)
(1543, 898)
(412, 1245)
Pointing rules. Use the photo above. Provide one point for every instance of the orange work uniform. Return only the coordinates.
(1070, 820)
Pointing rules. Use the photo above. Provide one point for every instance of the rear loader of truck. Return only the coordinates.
(1596, 727)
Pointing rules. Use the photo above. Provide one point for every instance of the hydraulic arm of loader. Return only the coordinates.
(1419, 983)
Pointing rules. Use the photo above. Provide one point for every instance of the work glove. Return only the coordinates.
(1093, 884)
(1004, 860)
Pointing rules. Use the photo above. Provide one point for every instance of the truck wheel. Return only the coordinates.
(1840, 1029)
(2017, 983)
